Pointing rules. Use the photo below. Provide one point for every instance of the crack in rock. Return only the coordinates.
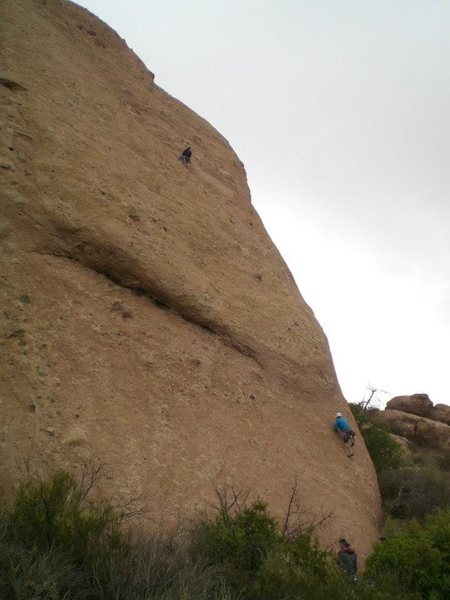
(12, 85)
(162, 304)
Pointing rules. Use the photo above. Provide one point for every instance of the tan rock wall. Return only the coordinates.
(419, 430)
(416, 404)
(441, 412)
(147, 317)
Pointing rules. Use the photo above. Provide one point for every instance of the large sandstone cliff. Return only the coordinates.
(147, 318)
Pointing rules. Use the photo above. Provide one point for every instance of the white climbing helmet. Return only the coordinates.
(338, 414)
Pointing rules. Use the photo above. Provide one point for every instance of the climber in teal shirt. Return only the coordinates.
(342, 426)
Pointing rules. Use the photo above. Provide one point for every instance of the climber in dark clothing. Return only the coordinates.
(185, 156)
(347, 559)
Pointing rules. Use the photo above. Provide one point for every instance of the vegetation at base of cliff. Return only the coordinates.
(412, 485)
(384, 451)
(56, 543)
(260, 560)
(419, 557)
(415, 489)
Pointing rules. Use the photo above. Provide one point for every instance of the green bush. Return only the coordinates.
(31, 574)
(443, 460)
(414, 491)
(383, 449)
(418, 558)
(57, 515)
(55, 543)
(260, 562)
(158, 568)
(301, 569)
(237, 544)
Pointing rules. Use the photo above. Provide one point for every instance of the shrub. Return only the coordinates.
(57, 515)
(158, 568)
(414, 491)
(443, 460)
(300, 569)
(384, 451)
(260, 561)
(55, 543)
(237, 543)
(418, 558)
(30, 573)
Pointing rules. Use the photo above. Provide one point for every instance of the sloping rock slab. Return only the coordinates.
(417, 404)
(419, 430)
(441, 412)
(148, 319)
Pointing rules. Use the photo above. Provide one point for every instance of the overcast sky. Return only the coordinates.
(339, 110)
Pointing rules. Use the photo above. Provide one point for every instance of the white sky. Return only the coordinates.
(339, 110)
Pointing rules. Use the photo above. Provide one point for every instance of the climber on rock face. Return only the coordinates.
(342, 426)
(347, 559)
(185, 156)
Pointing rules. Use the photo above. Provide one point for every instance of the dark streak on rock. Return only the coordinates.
(12, 85)
(162, 304)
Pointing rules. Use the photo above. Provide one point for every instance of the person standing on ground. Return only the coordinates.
(347, 559)
(342, 426)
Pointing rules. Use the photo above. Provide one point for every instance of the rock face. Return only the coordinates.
(415, 418)
(419, 430)
(441, 412)
(403, 442)
(148, 320)
(417, 404)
